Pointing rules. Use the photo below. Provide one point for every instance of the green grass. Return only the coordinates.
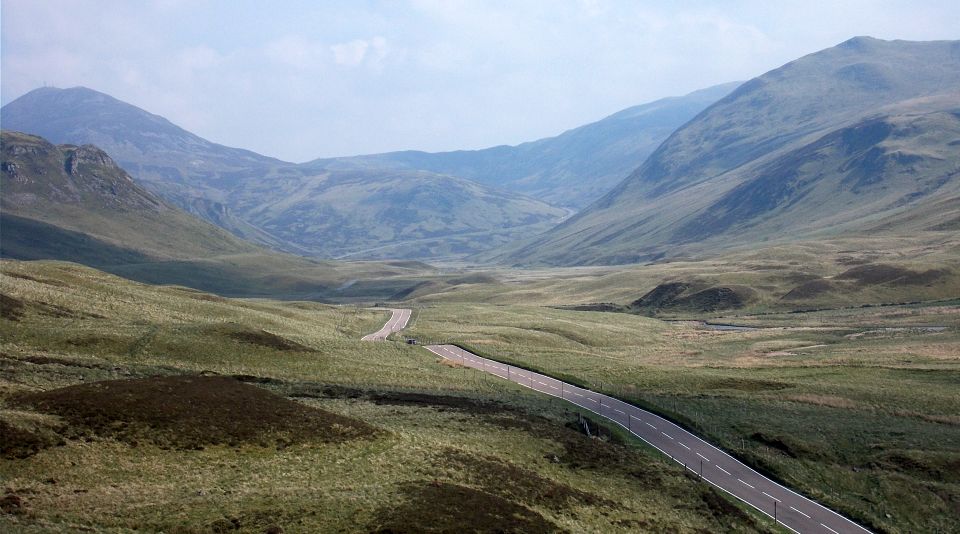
(442, 429)
(849, 413)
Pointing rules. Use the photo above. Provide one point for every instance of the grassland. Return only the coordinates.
(827, 273)
(856, 407)
(409, 444)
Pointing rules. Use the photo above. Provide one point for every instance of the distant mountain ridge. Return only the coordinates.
(306, 209)
(572, 169)
(861, 137)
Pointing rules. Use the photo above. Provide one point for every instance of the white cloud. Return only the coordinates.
(371, 52)
(351, 53)
(295, 51)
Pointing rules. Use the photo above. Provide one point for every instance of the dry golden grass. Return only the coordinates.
(79, 326)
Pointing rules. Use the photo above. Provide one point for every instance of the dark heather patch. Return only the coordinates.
(744, 384)
(878, 273)
(660, 296)
(11, 308)
(595, 306)
(49, 282)
(16, 442)
(441, 507)
(437, 401)
(934, 467)
(61, 312)
(189, 412)
(516, 483)
(51, 360)
(775, 443)
(269, 340)
(723, 510)
(251, 379)
(809, 289)
(582, 452)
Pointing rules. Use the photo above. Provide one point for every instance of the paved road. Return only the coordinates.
(397, 322)
(793, 511)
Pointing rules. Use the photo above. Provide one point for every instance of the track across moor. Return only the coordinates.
(714, 466)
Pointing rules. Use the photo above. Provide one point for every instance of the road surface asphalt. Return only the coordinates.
(791, 510)
(397, 322)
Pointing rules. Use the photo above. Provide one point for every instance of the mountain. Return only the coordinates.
(74, 203)
(572, 169)
(69, 190)
(863, 137)
(306, 209)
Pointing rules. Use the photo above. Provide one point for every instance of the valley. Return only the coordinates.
(200, 338)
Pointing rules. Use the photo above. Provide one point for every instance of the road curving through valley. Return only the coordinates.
(711, 464)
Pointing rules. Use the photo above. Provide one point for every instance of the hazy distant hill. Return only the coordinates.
(299, 208)
(861, 137)
(572, 169)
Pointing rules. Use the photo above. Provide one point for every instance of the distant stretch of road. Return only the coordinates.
(791, 510)
(795, 512)
(397, 322)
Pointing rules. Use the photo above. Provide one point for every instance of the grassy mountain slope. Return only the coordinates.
(118, 404)
(572, 169)
(80, 189)
(834, 142)
(305, 209)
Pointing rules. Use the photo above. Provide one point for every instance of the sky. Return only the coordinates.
(302, 79)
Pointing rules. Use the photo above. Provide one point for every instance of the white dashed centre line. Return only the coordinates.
(619, 411)
(684, 446)
(771, 496)
(801, 513)
(668, 435)
(649, 425)
(746, 484)
(724, 470)
(828, 528)
(707, 459)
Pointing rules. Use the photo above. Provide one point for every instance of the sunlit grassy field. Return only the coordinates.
(451, 449)
(858, 408)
